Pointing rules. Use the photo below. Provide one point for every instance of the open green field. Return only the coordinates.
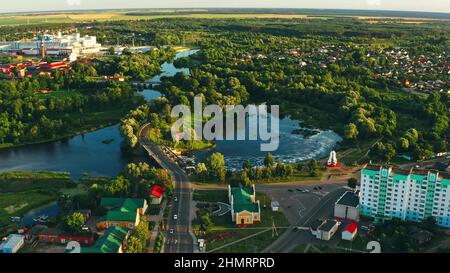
(25, 181)
(21, 192)
(117, 15)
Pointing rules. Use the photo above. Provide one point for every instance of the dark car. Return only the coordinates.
(290, 190)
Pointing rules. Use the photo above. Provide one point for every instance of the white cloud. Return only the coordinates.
(373, 3)
(73, 2)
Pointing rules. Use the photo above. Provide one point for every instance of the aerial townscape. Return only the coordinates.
(89, 164)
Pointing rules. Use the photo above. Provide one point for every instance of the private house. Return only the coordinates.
(245, 209)
(350, 232)
(156, 194)
(112, 241)
(325, 230)
(123, 212)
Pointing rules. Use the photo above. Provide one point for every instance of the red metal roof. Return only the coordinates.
(351, 228)
(157, 191)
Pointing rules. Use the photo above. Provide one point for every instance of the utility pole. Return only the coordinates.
(274, 229)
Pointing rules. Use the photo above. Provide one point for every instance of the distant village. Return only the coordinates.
(421, 74)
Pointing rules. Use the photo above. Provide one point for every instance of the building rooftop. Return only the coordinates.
(349, 199)
(12, 241)
(110, 242)
(352, 228)
(242, 200)
(372, 167)
(328, 225)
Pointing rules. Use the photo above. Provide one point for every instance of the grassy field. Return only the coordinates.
(211, 196)
(224, 231)
(116, 15)
(21, 192)
(18, 203)
(26, 181)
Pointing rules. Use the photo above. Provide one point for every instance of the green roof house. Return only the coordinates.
(124, 212)
(112, 241)
(245, 209)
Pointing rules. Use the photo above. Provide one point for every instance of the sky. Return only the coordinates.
(51, 5)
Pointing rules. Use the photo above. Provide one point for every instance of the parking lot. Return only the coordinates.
(294, 201)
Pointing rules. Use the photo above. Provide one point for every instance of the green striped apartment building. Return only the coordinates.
(412, 195)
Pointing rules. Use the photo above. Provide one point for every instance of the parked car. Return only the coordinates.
(175, 217)
(175, 199)
(171, 231)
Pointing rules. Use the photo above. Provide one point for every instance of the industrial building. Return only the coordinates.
(412, 195)
(12, 244)
(70, 46)
(347, 207)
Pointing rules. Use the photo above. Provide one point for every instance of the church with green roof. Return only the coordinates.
(245, 209)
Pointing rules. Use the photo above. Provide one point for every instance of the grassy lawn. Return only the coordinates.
(21, 192)
(26, 181)
(224, 231)
(296, 177)
(304, 248)
(211, 196)
(18, 203)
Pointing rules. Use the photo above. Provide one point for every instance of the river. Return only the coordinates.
(84, 154)
(88, 155)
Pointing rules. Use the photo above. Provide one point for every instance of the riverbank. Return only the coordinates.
(92, 122)
(21, 192)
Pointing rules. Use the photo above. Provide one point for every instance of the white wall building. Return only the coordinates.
(55, 45)
(12, 244)
(412, 195)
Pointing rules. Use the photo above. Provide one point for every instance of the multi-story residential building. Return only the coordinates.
(412, 195)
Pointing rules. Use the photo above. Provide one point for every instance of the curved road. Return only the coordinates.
(181, 240)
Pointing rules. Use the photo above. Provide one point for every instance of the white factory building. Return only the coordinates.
(67, 45)
(412, 195)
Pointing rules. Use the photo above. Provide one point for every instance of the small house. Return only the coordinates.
(275, 205)
(12, 244)
(350, 232)
(156, 194)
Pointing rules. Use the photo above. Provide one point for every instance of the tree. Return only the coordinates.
(351, 131)
(247, 165)
(268, 160)
(205, 220)
(111, 51)
(313, 167)
(138, 238)
(216, 166)
(245, 180)
(352, 182)
(74, 222)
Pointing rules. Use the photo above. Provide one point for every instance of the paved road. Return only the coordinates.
(181, 240)
(289, 240)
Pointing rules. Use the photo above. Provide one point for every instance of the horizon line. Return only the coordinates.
(223, 8)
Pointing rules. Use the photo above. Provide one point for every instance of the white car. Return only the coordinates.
(171, 231)
(175, 217)
(175, 199)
